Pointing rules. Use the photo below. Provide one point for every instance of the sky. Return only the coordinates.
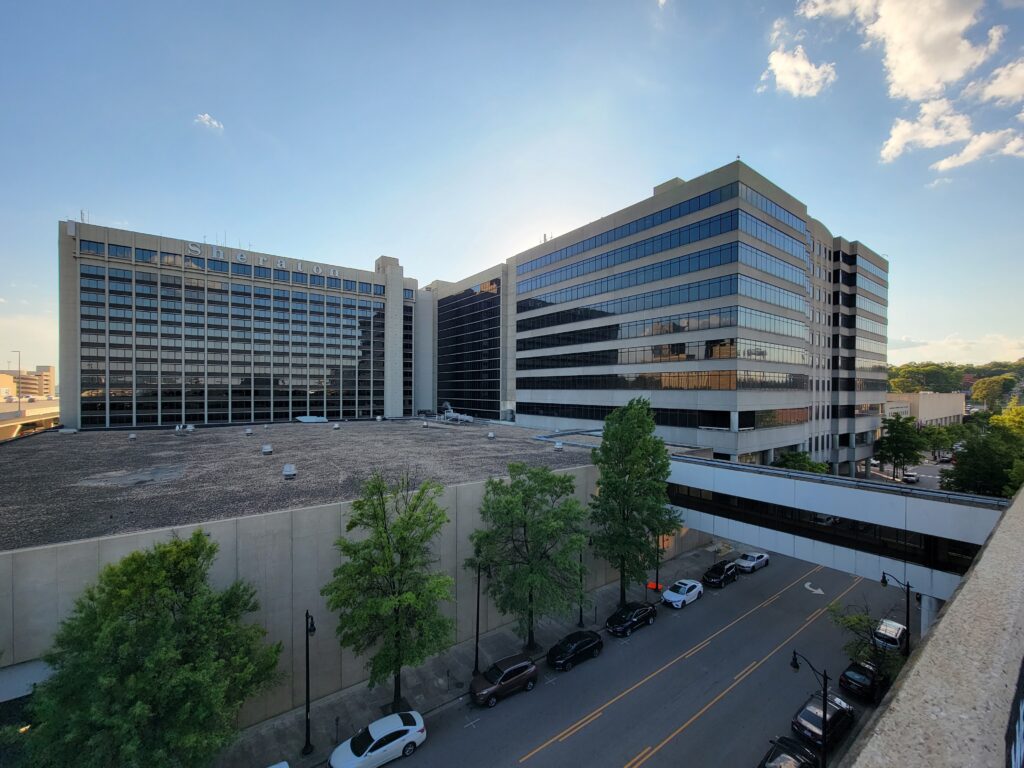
(453, 135)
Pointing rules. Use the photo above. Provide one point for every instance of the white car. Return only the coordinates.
(683, 592)
(876, 463)
(889, 635)
(751, 561)
(381, 741)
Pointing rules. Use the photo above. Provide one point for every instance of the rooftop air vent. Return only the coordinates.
(558, 445)
(490, 435)
(131, 438)
(248, 431)
(267, 449)
(289, 472)
(336, 426)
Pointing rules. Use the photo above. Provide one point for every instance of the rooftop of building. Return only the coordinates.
(65, 487)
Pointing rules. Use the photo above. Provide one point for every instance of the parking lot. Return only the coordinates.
(708, 684)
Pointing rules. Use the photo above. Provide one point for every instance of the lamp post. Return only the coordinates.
(310, 628)
(823, 679)
(476, 648)
(580, 622)
(906, 587)
(17, 380)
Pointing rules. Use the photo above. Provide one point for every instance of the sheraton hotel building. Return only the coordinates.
(747, 324)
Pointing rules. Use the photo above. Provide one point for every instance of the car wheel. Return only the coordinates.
(531, 683)
(409, 749)
(650, 620)
(491, 702)
(700, 594)
(595, 653)
(566, 667)
(628, 632)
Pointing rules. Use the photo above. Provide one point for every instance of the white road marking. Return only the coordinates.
(814, 590)
(472, 724)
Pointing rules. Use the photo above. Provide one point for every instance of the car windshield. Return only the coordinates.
(747, 558)
(716, 569)
(361, 742)
(679, 586)
(493, 674)
(781, 760)
(812, 717)
(859, 674)
(885, 638)
(622, 615)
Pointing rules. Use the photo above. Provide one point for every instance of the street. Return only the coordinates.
(928, 471)
(705, 685)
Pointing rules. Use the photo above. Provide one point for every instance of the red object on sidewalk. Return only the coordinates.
(655, 586)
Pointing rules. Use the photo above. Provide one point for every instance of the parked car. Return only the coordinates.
(807, 720)
(911, 477)
(683, 592)
(875, 463)
(889, 635)
(864, 679)
(720, 574)
(944, 458)
(629, 617)
(752, 561)
(503, 677)
(574, 648)
(788, 753)
(381, 741)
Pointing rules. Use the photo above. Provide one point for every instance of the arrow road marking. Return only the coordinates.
(815, 590)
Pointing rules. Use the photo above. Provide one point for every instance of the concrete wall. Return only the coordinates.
(932, 407)
(288, 556)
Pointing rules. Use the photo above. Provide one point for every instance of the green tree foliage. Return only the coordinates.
(1015, 478)
(986, 463)
(386, 593)
(1012, 418)
(901, 443)
(991, 390)
(530, 545)
(936, 438)
(629, 511)
(152, 666)
(800, 461)
(859, 625)
(925, 377)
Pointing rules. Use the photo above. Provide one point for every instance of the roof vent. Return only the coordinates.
(267, 449)
(424, 425)
(289, 472)
(190, 429)
(336, 426)
(248, 431)
(380, 418)
(558, 445)
(490, 435)
(131, 438)
(266, 426)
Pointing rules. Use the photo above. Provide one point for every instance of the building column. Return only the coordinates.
(734, 421)
(930, 607)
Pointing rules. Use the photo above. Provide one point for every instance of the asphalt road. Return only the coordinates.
(706, 685)
(928, 472)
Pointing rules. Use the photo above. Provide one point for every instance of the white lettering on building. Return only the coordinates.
(332, 272)
(281, 264)
(194, 249)
(240, 257)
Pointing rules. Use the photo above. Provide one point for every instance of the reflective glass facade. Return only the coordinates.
(469, 350)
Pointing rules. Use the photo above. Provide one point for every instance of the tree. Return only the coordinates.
(859, 625)
(936, 438)
(530, 543)
(900, 444)
(991, 390)
(800, 461)
(629, 511)
(1015, 477)
(1012, 418)
(152, 666)
(386, 593)
(985, 464)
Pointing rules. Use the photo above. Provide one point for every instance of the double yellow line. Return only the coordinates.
(648, 752)
(590, 717)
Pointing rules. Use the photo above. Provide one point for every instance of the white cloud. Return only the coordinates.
(1005, 86)
(796, 74)
(207, 121)
(662, 3)
(986, 144)
(3, 300)
(939, 182)
(957, 349)
(938, 123)
(923, 41)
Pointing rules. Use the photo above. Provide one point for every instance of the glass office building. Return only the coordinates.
(159, 332)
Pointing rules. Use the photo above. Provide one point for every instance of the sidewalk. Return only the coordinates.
(441, 680)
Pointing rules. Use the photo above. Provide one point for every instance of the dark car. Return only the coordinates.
(788, 753)
(505, 676)
(807, 720)
(574, 648)
(864, 679)
(629, 617)
(720, 574)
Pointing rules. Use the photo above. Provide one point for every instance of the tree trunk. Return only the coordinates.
(396, 701)
(622, 582)
(531, 643)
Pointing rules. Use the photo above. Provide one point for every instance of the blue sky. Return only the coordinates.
(454, 135)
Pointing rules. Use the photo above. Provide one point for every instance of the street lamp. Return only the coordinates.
(476, 647)
(310, 631)
(823, 679)
(906, 586)
(17, 379)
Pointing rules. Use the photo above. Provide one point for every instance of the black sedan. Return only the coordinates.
(807, 720)
(788, 753)
(864, 679)
(574, 648)
(720, 574)
(629, 617)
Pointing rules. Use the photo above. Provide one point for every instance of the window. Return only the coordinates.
(391, 738)
(241, 269)
(89, 269)
(91, 246)
(194, 262)
(334, 282)
(317, 280)
(378, 290)
(141, 254)
(167, 259)
(408, 293)
(364, 287)
(282, 275)
(263, 272)
(299, 278)
(350, 285)
(217, 266)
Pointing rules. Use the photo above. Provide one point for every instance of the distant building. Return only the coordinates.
(940, 408)
(38, 383)
(896, 408)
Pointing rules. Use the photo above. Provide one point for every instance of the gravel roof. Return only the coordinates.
(61, 487)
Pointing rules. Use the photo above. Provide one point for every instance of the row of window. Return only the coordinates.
(863, 302)
(729, 253)
(146, 256)
(726, 285)
(675, 380)
(866, 265)
(871, 326)
(673, 417)
(774, 210)
(724, 317)
(469, 359)
(859, 385)
(868, 345)
(868, 284)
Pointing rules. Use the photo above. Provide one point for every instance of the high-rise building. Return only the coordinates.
(160, 331)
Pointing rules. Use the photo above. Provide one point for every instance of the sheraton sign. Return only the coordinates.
(259, 260)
